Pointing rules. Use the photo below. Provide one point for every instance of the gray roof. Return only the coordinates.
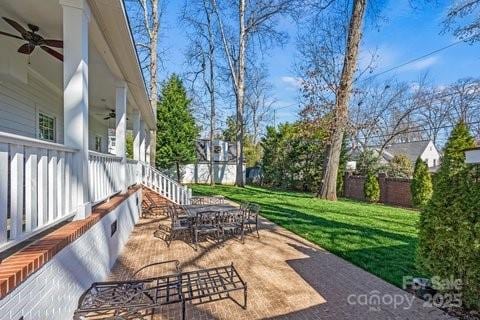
(412, 150)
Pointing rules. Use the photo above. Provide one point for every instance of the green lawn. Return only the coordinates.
(377, 238)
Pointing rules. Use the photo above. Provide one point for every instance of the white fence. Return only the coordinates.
(36, 180)
(165, 186)
(105, 180)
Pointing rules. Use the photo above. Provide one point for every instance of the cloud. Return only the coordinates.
(421, 64)
(292, 82)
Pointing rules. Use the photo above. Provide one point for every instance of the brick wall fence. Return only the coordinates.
(394, 191)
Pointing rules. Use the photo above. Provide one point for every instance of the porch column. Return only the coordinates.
(76, 16)
(142, 140)
(136, 135)
(148, 144)
(121, 130)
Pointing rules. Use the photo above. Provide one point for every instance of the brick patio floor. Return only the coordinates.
(287, 277)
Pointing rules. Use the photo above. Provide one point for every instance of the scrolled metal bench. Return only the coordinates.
(134, 298)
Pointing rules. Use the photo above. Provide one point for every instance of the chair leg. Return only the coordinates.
(196, 241)
(256, 227)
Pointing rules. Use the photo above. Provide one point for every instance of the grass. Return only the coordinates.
(380, 239)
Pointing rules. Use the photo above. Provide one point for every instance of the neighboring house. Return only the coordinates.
(224, 168)
(472, 156)
(58, 100)
(426, 150)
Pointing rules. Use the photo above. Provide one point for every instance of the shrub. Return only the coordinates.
(400, 167)
(421, 186)
(449, 235)
(371, 188)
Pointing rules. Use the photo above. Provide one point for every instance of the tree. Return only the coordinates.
(449, 242)
(255, 19)
(400, 166)
(146, 27)
(176, 128)
(202, 57)
(421, 186)
(258, 102)
(371, 187)
(129, 145)
(329, 186)
(463, 19)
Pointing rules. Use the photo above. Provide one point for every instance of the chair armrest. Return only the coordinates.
(177, 263)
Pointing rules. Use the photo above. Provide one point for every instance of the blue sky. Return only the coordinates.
(405, 34)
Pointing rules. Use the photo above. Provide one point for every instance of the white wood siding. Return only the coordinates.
(431, 155)
(20, 104)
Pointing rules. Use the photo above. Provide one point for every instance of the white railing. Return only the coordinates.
(104, 176)
(36, 180)
(39, 184)
(133, 172)
(164, 185)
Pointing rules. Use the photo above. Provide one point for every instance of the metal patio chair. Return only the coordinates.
(206, 223)
(251, 218)
(179, 225)
(231, 222)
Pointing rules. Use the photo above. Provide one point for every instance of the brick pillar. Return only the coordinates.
(382, 181)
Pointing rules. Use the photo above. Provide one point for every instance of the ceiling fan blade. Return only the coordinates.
(53, 43)
(52, 52)
(10, 35)
(26, 48)
(106, 118)
(15, 25)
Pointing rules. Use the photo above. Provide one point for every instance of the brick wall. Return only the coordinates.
(394, 191)
(53, 291)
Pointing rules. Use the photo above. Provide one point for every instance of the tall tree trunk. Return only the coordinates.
(329, 185)
(178, 171)
(153, 34)
(240, 94)
(211, 90)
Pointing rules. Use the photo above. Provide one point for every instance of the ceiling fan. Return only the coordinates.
(33, 39)
(111, 114)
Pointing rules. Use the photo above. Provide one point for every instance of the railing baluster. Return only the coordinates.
(52, 185)
(42, 187)
(16, 190)
(60, 185)
(31, 188)
(3, 192)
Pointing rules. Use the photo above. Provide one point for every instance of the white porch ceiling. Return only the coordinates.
(103, 66)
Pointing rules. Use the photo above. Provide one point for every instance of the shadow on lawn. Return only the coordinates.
(388, 255)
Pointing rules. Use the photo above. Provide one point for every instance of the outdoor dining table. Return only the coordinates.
(193, 209)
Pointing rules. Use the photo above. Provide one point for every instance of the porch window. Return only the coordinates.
(98, 143)
(46, 127)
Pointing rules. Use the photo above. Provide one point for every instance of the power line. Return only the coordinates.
(415, 59)
(422, 130)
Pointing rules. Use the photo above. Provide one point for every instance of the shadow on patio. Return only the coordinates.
(287, 277)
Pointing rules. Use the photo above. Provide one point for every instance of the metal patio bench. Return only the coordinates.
(134, 299)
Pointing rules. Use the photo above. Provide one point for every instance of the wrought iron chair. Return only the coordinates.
(251, 218)
(149, 204)
(179, 225)
(231, 222)
(206, 223)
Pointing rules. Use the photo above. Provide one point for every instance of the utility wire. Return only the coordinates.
(415, 59)
(422, 130)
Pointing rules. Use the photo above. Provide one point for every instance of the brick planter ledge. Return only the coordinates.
(19, 266)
